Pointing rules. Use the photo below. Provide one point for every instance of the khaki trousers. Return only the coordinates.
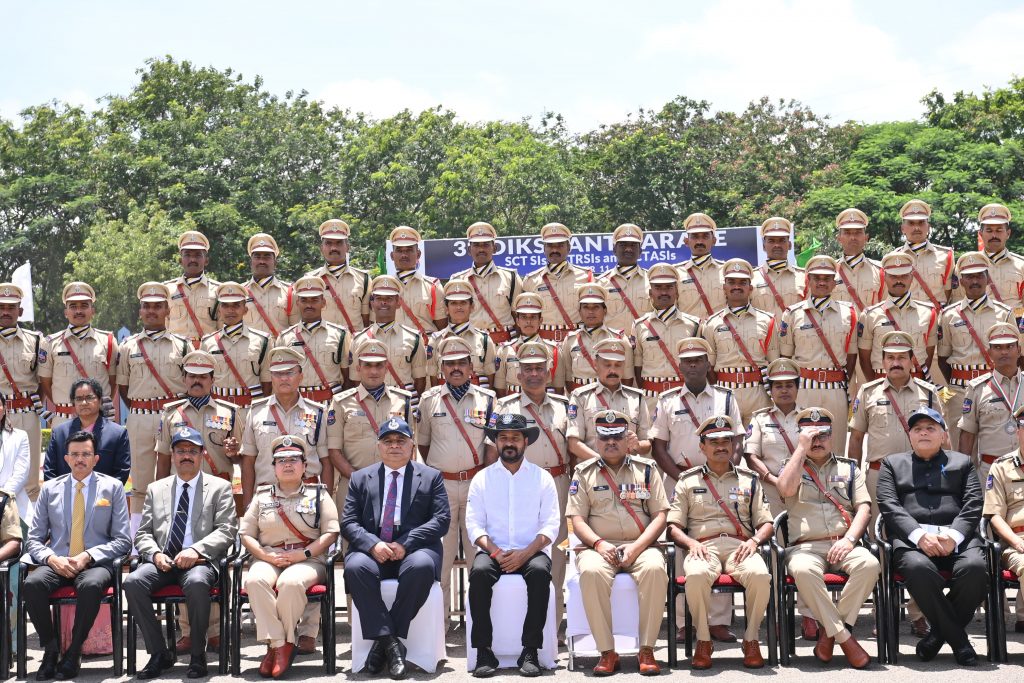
(458, 496)
(752, 574)
(596, 577)
(807, 565)
(142, 429)
(1014, 561)
(277, 615)
(558, 558)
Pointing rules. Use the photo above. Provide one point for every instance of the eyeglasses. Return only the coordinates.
(86, 399)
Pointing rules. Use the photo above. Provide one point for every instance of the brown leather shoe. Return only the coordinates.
(824, 648)
(752, 658)
(267, 665)
(645, 658)
(855, 654)
(920, 627)
(213, 644)
(809, 628)
(608, 664)
(183, 646)
(702, 655)
(722, 634)
(283, 657)
(306, 645)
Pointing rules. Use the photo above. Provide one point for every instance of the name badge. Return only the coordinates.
(603, 487)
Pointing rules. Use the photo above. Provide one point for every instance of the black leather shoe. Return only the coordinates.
(197, 668)
(529, 663)
(48, 667)
(486, 663)
(69, 666)
(395, 652)
(966, 656)
(375, 658)
(928, 647)
(158, 663)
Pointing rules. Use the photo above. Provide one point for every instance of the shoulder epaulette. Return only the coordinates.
(346, 393)
(508, 399)
(558, 397)
(980, 380)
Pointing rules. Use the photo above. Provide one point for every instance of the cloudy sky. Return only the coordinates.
(592, 61)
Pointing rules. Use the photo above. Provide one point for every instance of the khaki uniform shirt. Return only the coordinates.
(438, 429)
(580, 359)
(586, 402)
(790, 283)
(248, 353)
(24, 352)
(97, 352)
(935, 265)
(674, 423)
(349, 426)
(866, 279)
(306, 421)
(262, 520)
(765, 440)
(987, 415)
(506, 364)
(352, 286)
(479, 341)
(10, 525)
(278, 301)
(166, 355)
(917, 318)
(709, 275)
(670, 327)
(406, 354)
(564, 280)
(328, 343)
(216, 421)
(812, 516)
(597, 501)
(202, 299)
(499, 288)
(1004, 490)
(1006, 278)
(424, 296)
(632, 284)
(799, 340)
(554, 416)
(695, 509)
(955, 343)
(874, 414)
(755, 329)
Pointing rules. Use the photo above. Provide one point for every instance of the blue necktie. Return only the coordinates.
(178, 528)
(387, 526)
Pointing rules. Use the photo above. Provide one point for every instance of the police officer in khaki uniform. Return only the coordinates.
(241, 371)
(272, 302)
(580, 367)
(148, 378)
(700, 277)
(961, 351)
(494, 288)
(556, 283)
(324, 346)
(991, 400)
(288, 529)
(628, 296)
(777, 284)
(22, 351)
(347, 287)
(548, 412)
(79, 351)
(859, 278)
(407, 358)
(897, 312)
(617, 506)
(721, 540)
(771, 433)
(933, 263)
(1004, 508)
(743, 340)
(829, 507)
(657, 334)
(1006, 274)
(420, 304)
(450, 425)
(819, 334)
(608, 393)
(193, 307)
(459, 306)
(526, 312)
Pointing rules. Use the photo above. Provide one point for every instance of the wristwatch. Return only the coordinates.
(305, 551)
(851, 539)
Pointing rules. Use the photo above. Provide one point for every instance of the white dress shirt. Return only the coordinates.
(398, 499)
(193, 484)
(14, 466)
(512, 509)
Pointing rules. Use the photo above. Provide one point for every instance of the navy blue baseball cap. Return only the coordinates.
(187, 434)
(926, 412)
(395, 425)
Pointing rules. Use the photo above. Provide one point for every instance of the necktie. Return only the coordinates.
(387, 525)
(78, 521)
(178, 528)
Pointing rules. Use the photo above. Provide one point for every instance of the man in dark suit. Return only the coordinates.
(395, 515)
(930, 501)
(188, 525)
(111, 438)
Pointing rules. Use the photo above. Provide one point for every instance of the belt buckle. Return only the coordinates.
(725, 535)
(464, 475)
(820, 376)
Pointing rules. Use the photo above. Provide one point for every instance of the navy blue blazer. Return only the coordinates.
(111, 442)
(425, 511)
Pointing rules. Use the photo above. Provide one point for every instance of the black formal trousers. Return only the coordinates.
(948, 614)
(415, 573)
(90, 587)
(536, 572)
(195, 584)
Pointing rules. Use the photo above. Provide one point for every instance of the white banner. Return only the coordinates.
(22, 277)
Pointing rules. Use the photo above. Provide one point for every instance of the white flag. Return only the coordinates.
(22, 277)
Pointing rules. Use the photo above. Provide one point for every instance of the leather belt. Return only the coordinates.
(660, 385)
(736, 536)
(820, 538)
(152, 404)
(242, 401)
(1017, 529)
(464, 475)
(319, 395)
(989, 459)
(500, 336)
(311, 480)
(18, 403)
(819, 375)
(61, 409)
(289, 546)
(875, 465)
(740, 377)
(555, 333)
(557, 470)
(965, 375)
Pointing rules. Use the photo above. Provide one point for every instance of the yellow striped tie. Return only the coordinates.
(78, 521)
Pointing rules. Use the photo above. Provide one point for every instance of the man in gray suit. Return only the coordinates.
(188, 525)
(80, 532)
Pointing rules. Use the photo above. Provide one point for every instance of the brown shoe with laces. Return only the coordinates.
(702, 655)
(608, 664)
(648, 666)
(855, 654)
(752, 658)
(267, 665)
(824, 647)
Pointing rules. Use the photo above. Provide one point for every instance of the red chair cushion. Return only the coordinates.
(313, 591)
(68, 592)
(1010, 577)
(174, 591)
(723, 581)
(830, 579)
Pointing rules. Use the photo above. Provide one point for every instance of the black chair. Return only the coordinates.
(322, 593)
(1001, 580)
(168, 596)
(834, 582)
(896, 589)
(723, 584)
(68, 596)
